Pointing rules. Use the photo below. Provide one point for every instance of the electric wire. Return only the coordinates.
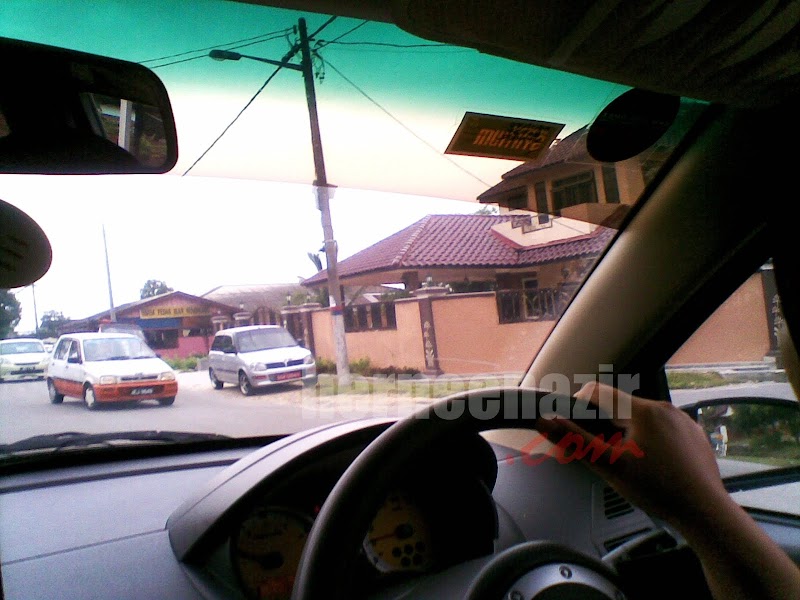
(285, 58)
(404, 126)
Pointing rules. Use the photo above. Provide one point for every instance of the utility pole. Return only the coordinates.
(322, 188)
(323, 193)
(35, 312)
(111, 312)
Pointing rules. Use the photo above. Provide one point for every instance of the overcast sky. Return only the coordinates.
(195, 233)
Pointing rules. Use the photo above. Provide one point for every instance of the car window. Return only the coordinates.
(221, 342)
(730, 374)
(116, 349)
(263, 339)
(61, 349)
(74, 352)
(735, 352)
(460, 213)
(21, 347)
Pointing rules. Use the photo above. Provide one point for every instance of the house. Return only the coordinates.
(533, 268)
(175, 324)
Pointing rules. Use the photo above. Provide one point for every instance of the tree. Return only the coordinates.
(9, 313)
(154, 287)
(51, 324)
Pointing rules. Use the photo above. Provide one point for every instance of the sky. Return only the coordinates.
(389, 103)
(194, 233)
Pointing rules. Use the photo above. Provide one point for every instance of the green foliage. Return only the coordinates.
(154, 287)
(184, 364)
(10, 313)
(680, 380)
(364, 368)
(51, 324)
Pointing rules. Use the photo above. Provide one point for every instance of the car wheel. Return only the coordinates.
(216, 382)
(244, 384)
(89, 398)
(310, 382)
(166, 401)
(55, 397)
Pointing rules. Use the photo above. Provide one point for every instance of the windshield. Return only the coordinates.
(115, 349)
(264, 339)
(21, 347)
(436, 253)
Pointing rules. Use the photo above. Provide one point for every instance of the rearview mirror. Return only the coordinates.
(64, 112)
(751, 429)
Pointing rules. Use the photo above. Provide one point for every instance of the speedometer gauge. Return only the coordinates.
(399, 537)
(266, 551)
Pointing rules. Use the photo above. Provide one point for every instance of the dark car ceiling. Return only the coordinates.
(740, 52)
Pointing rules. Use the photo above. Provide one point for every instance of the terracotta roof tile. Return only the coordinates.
(460, 241)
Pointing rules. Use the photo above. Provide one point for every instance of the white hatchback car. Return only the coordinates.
(257, 356)
(22, 359)
(108, 367)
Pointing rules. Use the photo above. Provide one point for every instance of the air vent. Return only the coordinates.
(615, 505)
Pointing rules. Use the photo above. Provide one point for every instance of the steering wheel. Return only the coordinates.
(339, 528)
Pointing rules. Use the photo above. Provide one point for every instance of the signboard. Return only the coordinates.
(163, 312)
(492, 136)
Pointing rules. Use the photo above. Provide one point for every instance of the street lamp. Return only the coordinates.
(323, 190)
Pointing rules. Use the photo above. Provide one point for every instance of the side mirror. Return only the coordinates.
(754, 431)
(64, 112)
(75, 360)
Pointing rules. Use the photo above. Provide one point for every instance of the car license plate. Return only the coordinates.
(291, 375)
(141, 391)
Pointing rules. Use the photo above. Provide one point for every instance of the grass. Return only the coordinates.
(685, 380)
(408, 386)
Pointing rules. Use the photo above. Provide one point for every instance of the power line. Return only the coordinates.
(404, 126)
(323, 43)
(236, 118)
(292, 51)
(391, 45)
(278, 33)
(191, 58)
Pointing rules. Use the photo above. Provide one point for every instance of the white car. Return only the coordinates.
(108, 367)
(22, 359)
(259, 356)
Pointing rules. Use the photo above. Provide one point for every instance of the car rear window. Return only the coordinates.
(264, 339)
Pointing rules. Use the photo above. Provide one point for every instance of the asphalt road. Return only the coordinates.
(25, 410)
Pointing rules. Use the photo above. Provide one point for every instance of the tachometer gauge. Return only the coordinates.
(266, 551)
(399, 538)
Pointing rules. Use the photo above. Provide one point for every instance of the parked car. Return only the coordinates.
(315, 498)
(22, 359)
(258, 356)
(102, 368)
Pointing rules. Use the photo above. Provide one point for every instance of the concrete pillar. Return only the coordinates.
(428, 326)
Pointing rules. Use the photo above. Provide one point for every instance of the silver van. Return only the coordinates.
(257, 356)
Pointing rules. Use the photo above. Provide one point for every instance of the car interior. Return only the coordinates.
(457, 499)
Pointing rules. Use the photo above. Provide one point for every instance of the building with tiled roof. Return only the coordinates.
(454, 249)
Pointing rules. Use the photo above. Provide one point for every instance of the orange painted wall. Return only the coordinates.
(401, 347)
(323, 334)
(736, 332)
(484, 346)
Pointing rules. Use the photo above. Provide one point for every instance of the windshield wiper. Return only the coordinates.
(74, 439)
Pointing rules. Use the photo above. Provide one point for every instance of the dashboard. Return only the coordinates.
(434, 516)
(232, 523)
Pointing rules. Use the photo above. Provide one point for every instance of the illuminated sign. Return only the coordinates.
(492, 136)
(166, 312)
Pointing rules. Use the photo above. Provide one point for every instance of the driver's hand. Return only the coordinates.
(676, 470)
